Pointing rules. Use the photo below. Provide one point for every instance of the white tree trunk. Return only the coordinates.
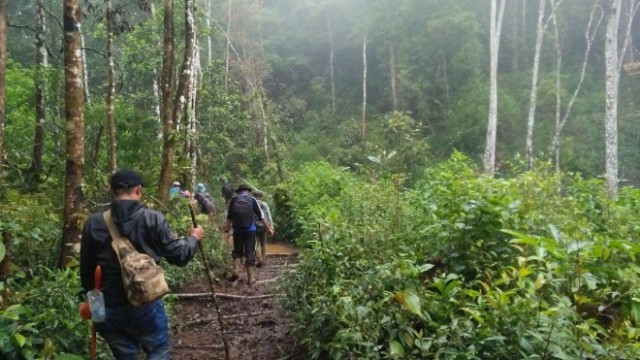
(85, 72)
(364, 89)
(611, 99)
(497, 12)
(533, 96)
(331, 54)
(228, 33)
(111, 91)
(590, 34)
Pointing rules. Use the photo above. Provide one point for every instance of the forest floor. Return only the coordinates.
(255, 325)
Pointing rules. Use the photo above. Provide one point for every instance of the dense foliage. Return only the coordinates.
(540, 266)
(405, 256)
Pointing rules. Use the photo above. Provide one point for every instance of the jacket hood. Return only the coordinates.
(125, 214)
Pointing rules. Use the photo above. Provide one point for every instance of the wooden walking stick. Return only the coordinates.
(97, 284)
(213, 293)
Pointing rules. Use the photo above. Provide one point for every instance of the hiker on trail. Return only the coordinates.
(175, 190)
(205, 202)
(261, 234)
(243, 210)
(227, 192)
(127, 328)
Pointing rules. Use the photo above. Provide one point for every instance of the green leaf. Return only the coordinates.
(3, 251)
(396, 348)
(20, 339)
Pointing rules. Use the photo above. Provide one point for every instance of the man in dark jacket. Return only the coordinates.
(243, 210)
(128, 328)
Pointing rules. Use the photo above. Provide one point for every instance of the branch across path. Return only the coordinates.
(256, 326)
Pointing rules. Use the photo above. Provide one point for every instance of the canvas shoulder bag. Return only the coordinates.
(143, 279)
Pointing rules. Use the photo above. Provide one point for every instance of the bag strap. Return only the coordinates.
(116, 238)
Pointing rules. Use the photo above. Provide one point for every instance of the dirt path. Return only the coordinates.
(255, 325)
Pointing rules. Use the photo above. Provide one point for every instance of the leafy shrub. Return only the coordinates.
(39, 315)
(540, 265)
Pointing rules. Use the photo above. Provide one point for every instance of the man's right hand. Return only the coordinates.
(197, 232)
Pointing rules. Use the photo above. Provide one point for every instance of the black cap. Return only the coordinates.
(125, 179)
(243, 187)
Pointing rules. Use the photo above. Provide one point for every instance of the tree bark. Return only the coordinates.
(3, 71)
(74, 108)
(228, 34)
(533, 96)
(192, 124)
(111, 91)
(331, 57)
(168, 124)
(612, 78)
(187, 67)
(364, 90)
(40, 83)
(497, 12)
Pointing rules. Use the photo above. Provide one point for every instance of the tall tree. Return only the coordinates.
(40, 80)
(3, 71)
(74, 109)
(533, 97)
(186, 96)
(364, 89)
(611, 102)
(168, 125)
(495, 27)
(111, 89)
(614, 57)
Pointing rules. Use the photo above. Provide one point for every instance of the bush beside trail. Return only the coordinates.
(541, 265)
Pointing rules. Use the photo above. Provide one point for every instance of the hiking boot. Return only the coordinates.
(263, 253)
(251, 275)
(259, 259)
(237, 266)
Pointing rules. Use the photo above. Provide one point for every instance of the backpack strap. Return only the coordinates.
(117, 240)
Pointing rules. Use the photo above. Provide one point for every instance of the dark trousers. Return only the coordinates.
(244, 244)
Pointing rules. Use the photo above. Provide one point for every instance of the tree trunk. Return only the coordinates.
(111, 90)
(497, 12)
(558, 70)
(228, 36)
(192, 139)
(533, 96)
(186, 71)
(589, 38)
(168, 125)
(85, 72)
(611, 103)
(331, 54)
(364, 90)
(74, 108)
(3, 71)
(40, 82)
(208, 24)
(392, 68)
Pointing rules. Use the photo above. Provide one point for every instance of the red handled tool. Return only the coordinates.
(97, 284)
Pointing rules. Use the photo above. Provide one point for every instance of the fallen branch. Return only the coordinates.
(266, 281)
(227, 317)
(222, 296)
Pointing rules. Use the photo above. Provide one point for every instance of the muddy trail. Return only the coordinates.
(255, 326)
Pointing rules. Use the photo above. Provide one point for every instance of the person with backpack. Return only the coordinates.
(128, 328)
(243, 212)
(261, 234)
(227, 192)
(205, 202)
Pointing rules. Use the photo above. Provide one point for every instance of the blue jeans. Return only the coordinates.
(128, 328)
